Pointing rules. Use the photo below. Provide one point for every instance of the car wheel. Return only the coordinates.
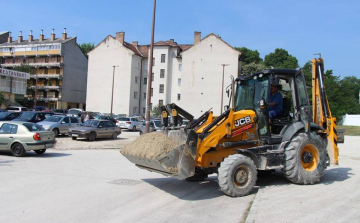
(56, 132)
(73, 138)
(134, 128)
(141, 132)
(92, 137)
(114, 135)
(41, 151)
(18, 150)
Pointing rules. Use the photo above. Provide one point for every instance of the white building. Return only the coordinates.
(189, 75)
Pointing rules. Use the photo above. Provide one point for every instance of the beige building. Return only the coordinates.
(60, 69)
(189, 75)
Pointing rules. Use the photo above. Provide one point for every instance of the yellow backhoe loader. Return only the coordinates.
(244, 139)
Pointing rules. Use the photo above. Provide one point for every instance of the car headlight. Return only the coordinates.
(47, 127)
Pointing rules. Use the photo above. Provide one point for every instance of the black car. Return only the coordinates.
(34, 116)
(7, 116)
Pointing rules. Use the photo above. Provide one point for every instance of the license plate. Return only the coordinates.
(49, 145)
(75, 135)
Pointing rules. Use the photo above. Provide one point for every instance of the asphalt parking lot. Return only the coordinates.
(94, 183)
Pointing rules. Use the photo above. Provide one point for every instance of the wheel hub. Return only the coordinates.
(241, 176)
(307, 157)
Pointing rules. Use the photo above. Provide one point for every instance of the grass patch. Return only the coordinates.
(350, 130)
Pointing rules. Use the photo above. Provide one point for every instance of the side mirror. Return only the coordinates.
(62, 122)
(226, 107)
(100, 126)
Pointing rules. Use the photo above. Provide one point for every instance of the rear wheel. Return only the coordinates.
(237, 175)
(141, 132)
(56, 132)
(134, 128)
(92, 136)
(73, 138)
(41, 151)
(114, 135)
(18, 150)
(305, 159)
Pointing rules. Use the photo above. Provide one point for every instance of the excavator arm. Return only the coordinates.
(321, 110)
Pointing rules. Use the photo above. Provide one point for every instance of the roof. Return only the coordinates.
(268, 71)
(4, 32)
(36, 41)
(144, 49)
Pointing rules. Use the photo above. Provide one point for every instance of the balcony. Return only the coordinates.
(47, 76)
(38, 64)
(31, 53)
(45, 99)
(45, 87)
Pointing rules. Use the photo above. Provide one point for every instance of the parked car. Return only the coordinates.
(16, 108)
(155, 125)
(7, 116)
(93, 129)
(60, 111)
(19, 137)
(33, 116)
(106, 118)
(132, 123)
(40, 108)
(75, 112)
(59, 124)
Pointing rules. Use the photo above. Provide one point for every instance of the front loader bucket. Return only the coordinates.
(179, 162)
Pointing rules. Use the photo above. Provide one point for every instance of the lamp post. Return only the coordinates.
(222, 88)
(112, 92)
(148, 100)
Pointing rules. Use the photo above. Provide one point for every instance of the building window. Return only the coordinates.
(162, 58)
(180, 67)
(179, 81)
(144, 95)
(161, 102)
(162, 73)
(144, 110)
(153, 62)
(145, 80)
(136, 80)
(161, 90)
(179, 97)
(135, 95)
(152, 91)
(152, 77)
(134, 109)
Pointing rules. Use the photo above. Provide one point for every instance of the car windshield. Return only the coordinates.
(91, 123)
(27, 115)
(73, 112)
(158, 124)
(124, 119)
(53, 119)
(32, 127)
(4, 114)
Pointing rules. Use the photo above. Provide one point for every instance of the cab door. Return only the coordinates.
(302, 100)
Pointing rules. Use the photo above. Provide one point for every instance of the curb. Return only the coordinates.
(251, 218)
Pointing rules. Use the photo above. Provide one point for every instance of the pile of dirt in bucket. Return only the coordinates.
(150, 146)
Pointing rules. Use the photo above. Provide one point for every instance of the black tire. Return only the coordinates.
(299, 167)
(73, 138)
(134, 128)
(18, 150)
(141, 132)
(56, 132)
(41, 151)
(92, 137)
(114, 135)
(237, 175)
(198, 177)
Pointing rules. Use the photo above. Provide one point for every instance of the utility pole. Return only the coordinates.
(112, 92)
(148, 100)
(222, 88)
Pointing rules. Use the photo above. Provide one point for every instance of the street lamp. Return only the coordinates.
(112, 92)
(222, 88)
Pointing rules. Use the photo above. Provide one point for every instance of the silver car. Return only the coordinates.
(59, 124)
(155, 125)
(132, 123)
(19, 137)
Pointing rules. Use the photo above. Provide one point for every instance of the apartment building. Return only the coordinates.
(60, 69)
(4, 36)
(179, 72)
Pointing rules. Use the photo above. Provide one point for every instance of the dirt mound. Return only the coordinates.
(150, 146)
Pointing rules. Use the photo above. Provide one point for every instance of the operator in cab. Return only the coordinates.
(276, 102)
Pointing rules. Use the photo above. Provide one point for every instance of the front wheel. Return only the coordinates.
(114, 135)
(134, 128)
(56, 132)
(305, 158)
(73, 138)
(237, 175)
(40, 151)
(92, 137)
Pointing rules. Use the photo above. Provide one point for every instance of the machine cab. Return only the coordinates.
(279, 99)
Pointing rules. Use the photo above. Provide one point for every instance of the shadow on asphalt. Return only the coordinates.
(100, 139)
(185, 190)
(47, 154)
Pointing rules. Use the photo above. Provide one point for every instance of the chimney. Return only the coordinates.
(52, 38)
(9, 38)
(64, 35)
(41, 38)
(135, 43)
(31, 38)
(197, 37)
(171, 40)
(120, 36)
(20, 37)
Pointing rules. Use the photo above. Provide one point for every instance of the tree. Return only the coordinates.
(155, 111)
(281, 59)
(249, 56)
(252, 68)
(25, 68)
(86, 47)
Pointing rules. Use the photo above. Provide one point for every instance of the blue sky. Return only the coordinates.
(301, 27)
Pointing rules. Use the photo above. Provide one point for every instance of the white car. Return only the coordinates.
(132, 123)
